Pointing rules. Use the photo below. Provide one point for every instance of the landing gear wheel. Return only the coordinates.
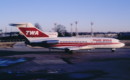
(68, 51)
(113, 50)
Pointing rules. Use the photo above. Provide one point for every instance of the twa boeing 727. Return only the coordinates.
(38, 38)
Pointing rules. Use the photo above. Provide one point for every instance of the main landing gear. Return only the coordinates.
(68, 51)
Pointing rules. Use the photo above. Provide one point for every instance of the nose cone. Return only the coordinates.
(122, 44)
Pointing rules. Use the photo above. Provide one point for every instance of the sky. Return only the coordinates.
(107, 15)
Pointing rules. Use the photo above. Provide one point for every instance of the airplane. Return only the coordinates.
(37, 37)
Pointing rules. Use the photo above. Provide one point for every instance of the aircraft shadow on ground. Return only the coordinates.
(52, 52)
(9, 53)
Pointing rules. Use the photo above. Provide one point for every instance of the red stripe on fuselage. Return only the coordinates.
(81, 44)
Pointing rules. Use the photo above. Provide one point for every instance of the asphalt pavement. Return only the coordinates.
(42, 64)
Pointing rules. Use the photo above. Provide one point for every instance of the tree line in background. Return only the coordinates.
(60, 29)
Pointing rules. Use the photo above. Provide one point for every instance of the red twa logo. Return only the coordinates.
(32, 33)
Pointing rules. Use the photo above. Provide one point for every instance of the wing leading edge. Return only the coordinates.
(72, 48)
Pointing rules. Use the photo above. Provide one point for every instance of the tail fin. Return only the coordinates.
(32, 32)
(29, 31)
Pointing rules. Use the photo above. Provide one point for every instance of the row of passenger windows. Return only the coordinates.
(73, 41)
(84, 42)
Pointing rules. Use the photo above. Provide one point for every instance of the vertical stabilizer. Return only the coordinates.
(30, 31)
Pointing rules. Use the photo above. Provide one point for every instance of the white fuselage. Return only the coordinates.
(90, 42)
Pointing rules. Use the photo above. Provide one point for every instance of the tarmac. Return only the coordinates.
(42, 64)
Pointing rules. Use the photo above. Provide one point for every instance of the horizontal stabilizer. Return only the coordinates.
(22, 24)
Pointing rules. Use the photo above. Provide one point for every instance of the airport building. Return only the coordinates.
(124, 35)
(11, 37)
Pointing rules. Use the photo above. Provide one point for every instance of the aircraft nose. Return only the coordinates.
(122, 44)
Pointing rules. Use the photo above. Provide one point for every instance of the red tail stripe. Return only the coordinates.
(25, 31)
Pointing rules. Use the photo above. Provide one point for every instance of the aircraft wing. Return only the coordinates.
(81, 47)
(51, 41)
(43, 43)
(74, 47)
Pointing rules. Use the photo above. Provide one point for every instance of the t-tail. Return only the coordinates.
(30, 32)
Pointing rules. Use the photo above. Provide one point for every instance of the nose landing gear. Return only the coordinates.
(113, 50)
